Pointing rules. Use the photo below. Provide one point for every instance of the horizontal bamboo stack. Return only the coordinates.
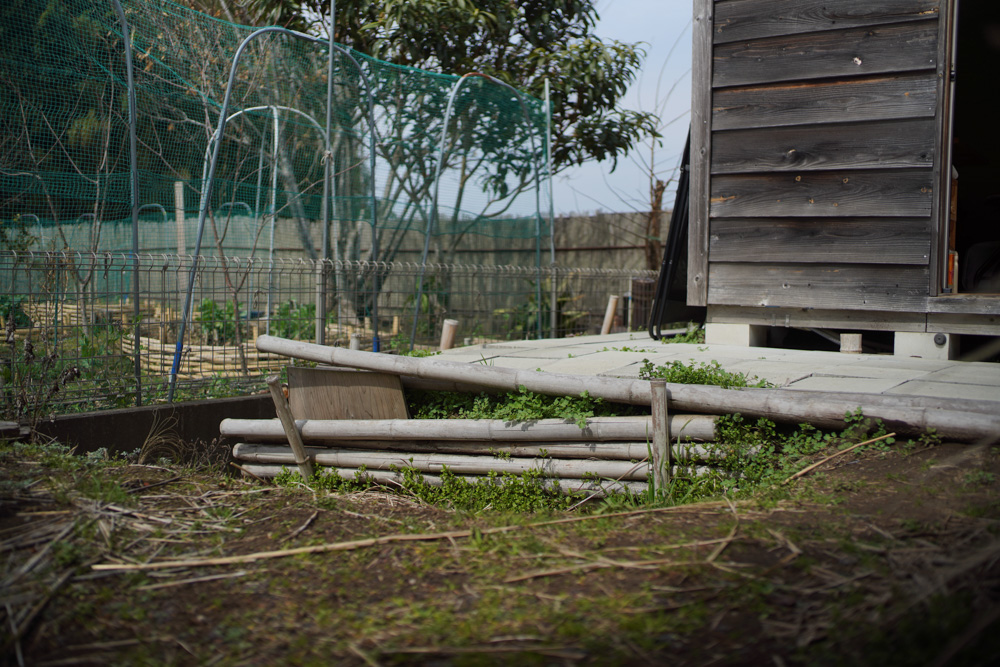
(198, 361)
(606, 454)
(44, 313)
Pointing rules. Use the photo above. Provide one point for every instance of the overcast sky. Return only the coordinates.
(665, 27)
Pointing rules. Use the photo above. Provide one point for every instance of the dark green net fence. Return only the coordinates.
(392, 153)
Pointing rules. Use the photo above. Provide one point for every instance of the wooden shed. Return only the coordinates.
(826, 140)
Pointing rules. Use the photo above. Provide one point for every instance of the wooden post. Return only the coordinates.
(288, 424)
(662, 455)
(448, 334)
(609, 314)
(850, 343)
(180, 217)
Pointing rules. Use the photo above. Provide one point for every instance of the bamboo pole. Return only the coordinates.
(268, 471)
(460, 464)
(288, 426)
(598, 429)
(661, 435)
(822, 409)
(610, 451)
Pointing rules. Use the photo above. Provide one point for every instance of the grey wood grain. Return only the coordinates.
(898, 193)
(838, 286)
(875, 98)
(821, 241)
(701, 147)
(884, 144)
(753, 19)
(897, 48)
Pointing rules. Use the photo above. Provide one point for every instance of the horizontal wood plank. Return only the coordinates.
(974, 324)
(754, 19)
(825, 241)
(819, 318)
(897, 193)
(876, 98)
(956, 304)
(895, 48)
(837, 286)
(883, 144)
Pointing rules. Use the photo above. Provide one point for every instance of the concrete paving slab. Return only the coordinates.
(520, 363)
(628, 346)
(467, 357)
(862, 370)
(972, 392)
(630, 371)
(910, 363)
(968, 373)
(797, 369)
(776, 372)
(551, 353)
(512, 345)
(595, 364)
(855, 385)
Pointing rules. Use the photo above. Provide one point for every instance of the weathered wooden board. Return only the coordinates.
(827, 241)
(846, 100)
(884, 144)
(854, 286)
(337, 393)
(901, 193)
(971, 304)
(754, 19)
(966, 323)
(701, 146)
(902, 47)
(818, 318)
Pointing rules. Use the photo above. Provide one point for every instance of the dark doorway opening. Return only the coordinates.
(975, 235)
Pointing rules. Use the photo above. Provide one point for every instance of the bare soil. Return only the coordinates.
(879, 558)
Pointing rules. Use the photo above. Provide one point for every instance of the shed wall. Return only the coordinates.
(815, 142)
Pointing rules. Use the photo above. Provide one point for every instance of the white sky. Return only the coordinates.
(663, 25)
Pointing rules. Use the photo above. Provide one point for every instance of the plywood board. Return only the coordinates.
(338, 393)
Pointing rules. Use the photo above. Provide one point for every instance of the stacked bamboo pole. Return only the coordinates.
(606, 453)
(199, 360)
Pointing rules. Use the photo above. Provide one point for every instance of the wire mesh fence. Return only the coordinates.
(405, 154)
(70, 335)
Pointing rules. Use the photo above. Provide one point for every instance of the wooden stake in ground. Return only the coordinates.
(609, 315)
(448, 330)
(287, 423)
(661, 434)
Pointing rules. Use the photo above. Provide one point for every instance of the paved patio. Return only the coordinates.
(621, 355)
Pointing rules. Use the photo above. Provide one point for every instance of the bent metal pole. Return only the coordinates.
(822, 409)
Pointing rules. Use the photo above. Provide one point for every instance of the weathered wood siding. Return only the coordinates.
(814, 147)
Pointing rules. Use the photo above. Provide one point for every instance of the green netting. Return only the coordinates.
(64, 165)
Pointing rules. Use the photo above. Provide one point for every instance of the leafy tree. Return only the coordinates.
(522, 42)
